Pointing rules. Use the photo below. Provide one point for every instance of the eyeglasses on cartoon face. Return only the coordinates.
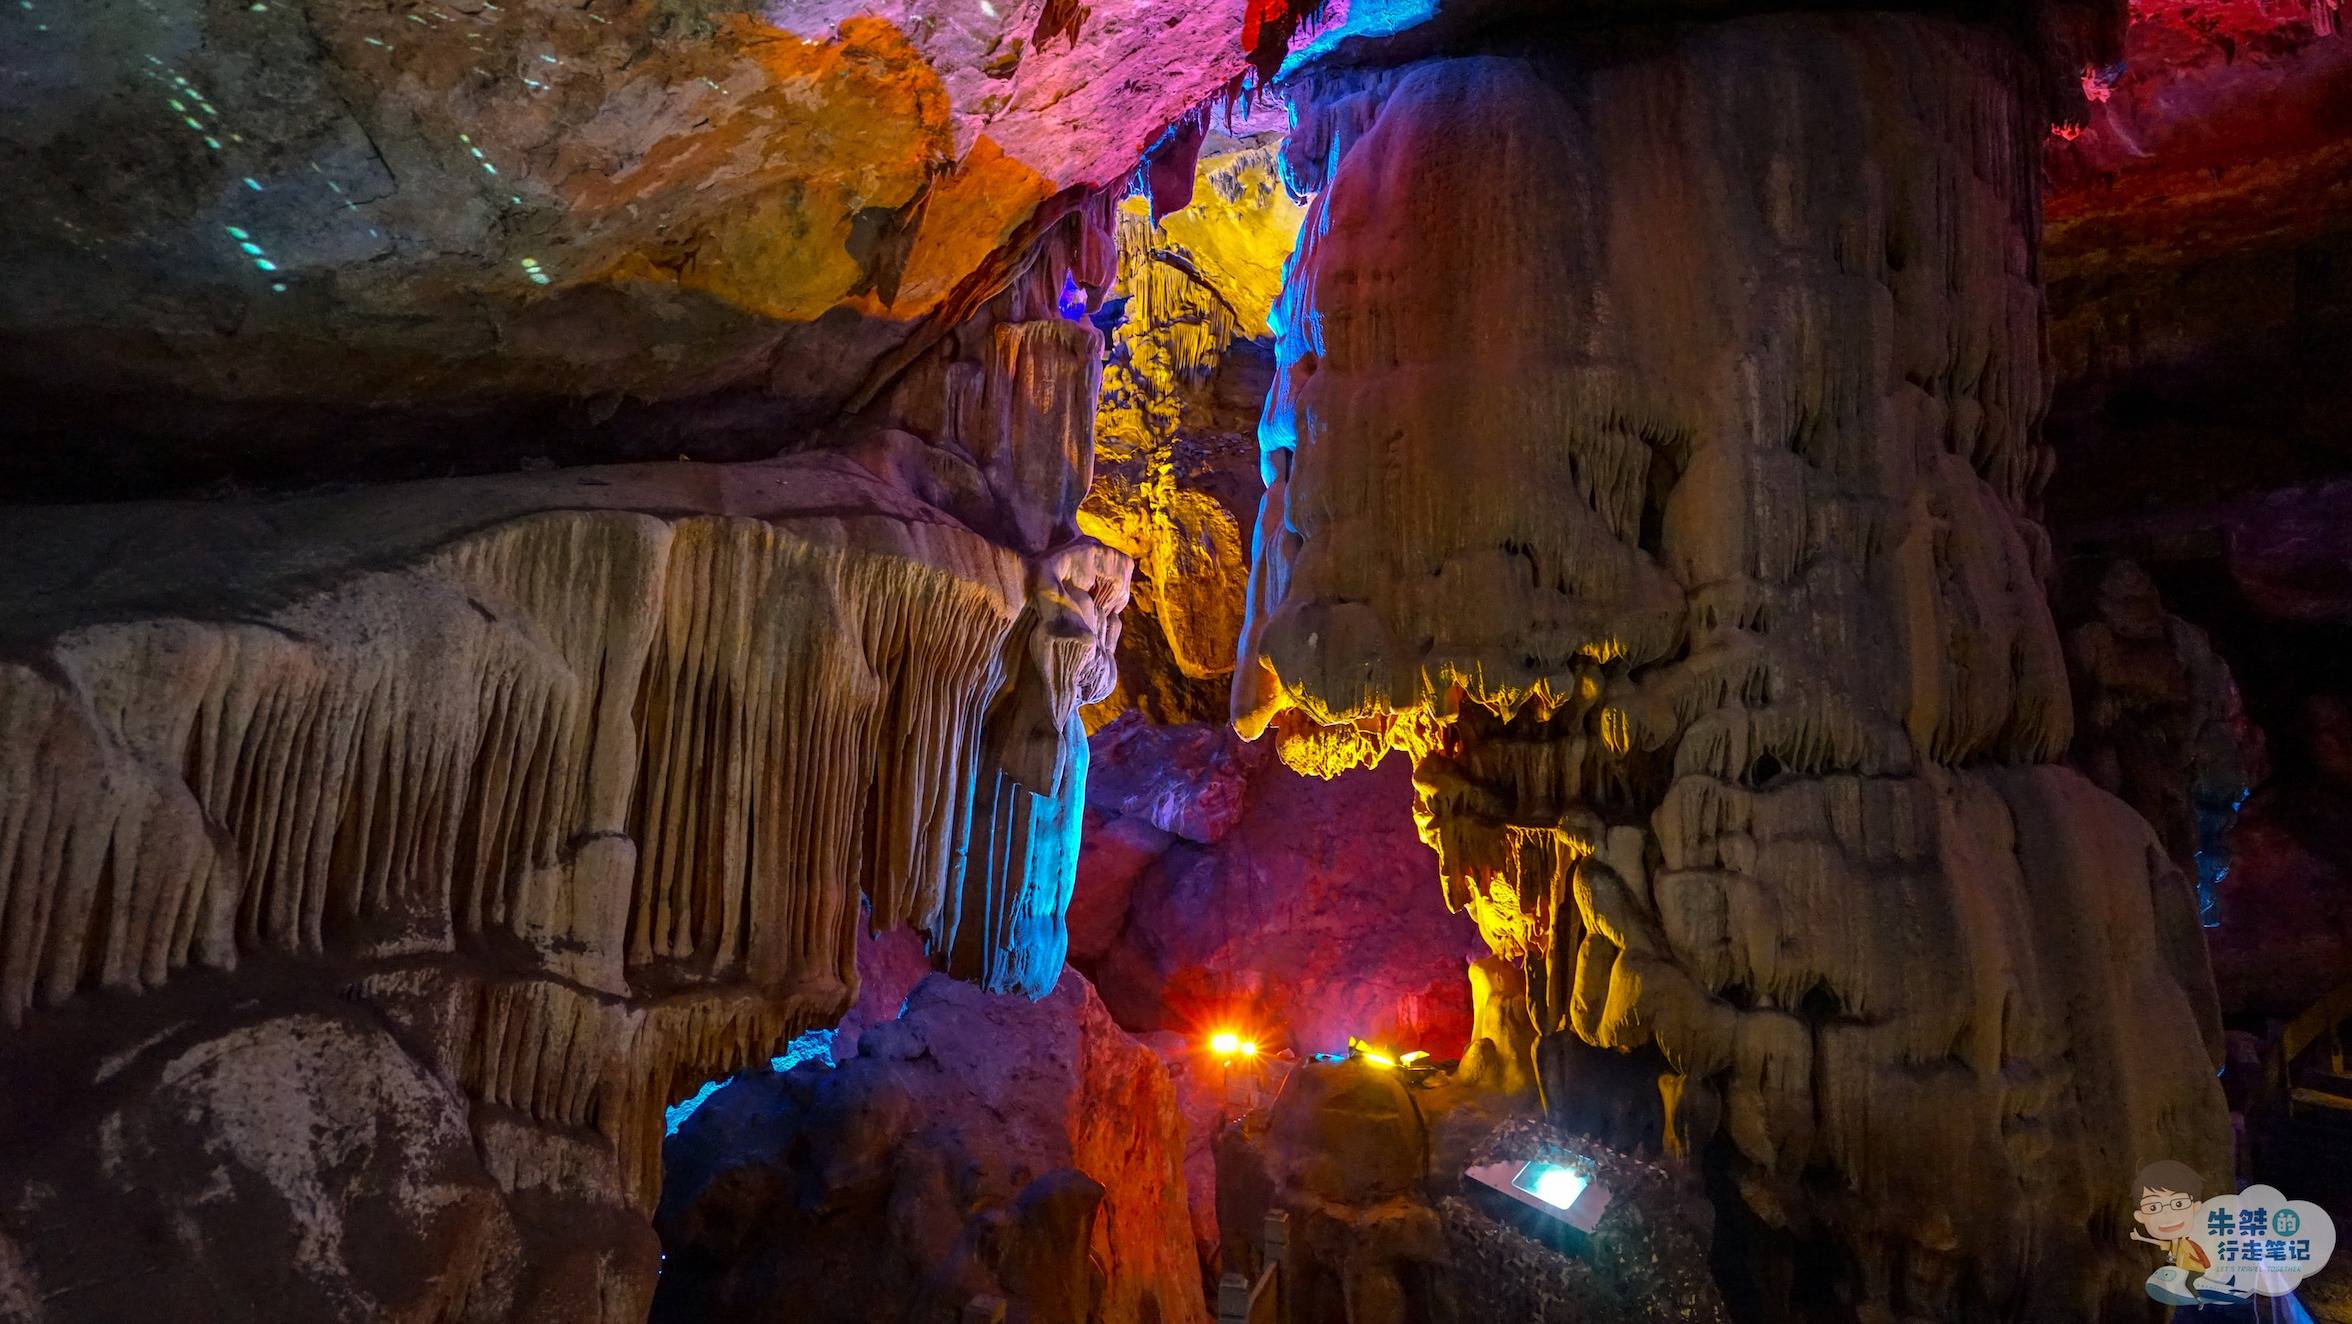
(2165, 1204)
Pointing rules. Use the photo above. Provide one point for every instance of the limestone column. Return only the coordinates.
(1651, 460)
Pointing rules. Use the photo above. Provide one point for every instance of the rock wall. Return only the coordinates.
(1176, 478)
(1221, 890)
(975, 1146)
(1671, 515)
(2265, 785)
(2284, 939)
(456, 236)
(457, 828)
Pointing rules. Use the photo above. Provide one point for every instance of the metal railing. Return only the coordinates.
(1262, 1300)
(1239, 1300)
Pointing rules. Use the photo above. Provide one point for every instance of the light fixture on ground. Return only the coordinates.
(1561, 1194)
(1246, 1088)
(1416, 1066)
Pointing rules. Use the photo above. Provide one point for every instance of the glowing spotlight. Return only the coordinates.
(1249, 1048)
(1550, 1183)
(1225, 1043)
(1556, 1191)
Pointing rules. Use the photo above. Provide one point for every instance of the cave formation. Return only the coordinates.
(1037, 661)
(1733, 710)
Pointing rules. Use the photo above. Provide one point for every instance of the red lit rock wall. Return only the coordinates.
(2200, 262)
(1220, 890)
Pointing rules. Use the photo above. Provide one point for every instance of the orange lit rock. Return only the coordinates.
(1176, 477)
(530, 229)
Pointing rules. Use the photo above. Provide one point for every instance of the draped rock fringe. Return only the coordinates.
(1725, 521)
(1013, 883)
(1009, 935)
(608, 751)
(1191, 321)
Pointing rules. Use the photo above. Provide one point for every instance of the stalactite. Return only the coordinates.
(622, 773)
(1029, 801)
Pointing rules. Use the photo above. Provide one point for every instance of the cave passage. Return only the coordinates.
(1141, 662)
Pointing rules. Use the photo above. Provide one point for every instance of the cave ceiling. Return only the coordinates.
(404, 238)
(285, 213)
(2199, 260)
(2228, 125)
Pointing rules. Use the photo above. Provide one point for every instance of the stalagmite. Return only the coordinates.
(1651, 460)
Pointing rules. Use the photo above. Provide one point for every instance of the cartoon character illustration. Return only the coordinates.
(2168, 1208)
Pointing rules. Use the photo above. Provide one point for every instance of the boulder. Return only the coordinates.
(296, 1163)
(978, 1145)
(1344, 1153)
